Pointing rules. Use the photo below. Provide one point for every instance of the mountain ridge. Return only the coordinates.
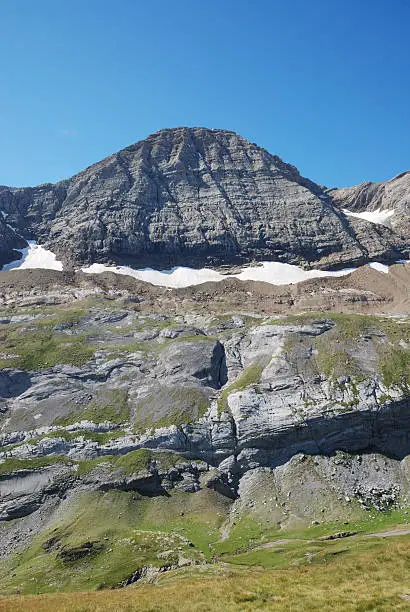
(198, 197)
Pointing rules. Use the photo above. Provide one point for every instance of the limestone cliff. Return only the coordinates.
(198, 197)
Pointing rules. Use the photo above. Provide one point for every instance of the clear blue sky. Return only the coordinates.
(324, 84)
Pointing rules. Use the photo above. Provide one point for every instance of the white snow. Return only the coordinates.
(376, 216)
(277, 273)
(274, 273)
(174, 278)
(379, 267)
(35, 256)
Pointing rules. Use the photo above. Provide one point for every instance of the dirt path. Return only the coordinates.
(381, 534)
(388, 534)
(278, 543)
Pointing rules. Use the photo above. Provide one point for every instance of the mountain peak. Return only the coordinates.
(194, 196)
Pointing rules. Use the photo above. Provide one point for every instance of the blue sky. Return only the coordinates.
(323, 84)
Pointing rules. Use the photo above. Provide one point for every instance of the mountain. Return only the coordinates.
(150, 434)
(197, 197)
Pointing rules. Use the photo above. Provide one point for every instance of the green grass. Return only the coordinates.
(178, 405)
(337, 349)
(395, 367)
(109, 405)
(101, 437)
(129, 531)
(110, 521)
(142, 458)
(248, 532)
(373, 579)
(35, 463)
(306, 552)
(37, 345)
(250, 376)
(121, 531)
(133, 462)
(245, 533)
(42, 348)
(60, 316)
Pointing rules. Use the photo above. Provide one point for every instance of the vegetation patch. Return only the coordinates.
(11, 465)
(250, 376)
(395, 367)
(123, 531)
(143, 459)
(42, 348)
(179, 405)
(110, 405)
(101, 437)
(140, 460)
(342, 350)
(361, 573)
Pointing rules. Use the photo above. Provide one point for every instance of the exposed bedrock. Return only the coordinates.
(194, 196)
(157, 403)
(392, 195)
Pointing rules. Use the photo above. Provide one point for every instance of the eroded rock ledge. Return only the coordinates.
(149, 403)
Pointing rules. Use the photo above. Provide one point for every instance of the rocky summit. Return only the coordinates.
(198, 197)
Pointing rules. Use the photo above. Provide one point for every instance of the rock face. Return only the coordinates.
(390, 195)
(10, 240)
(141, 439)
(234, 393)
(195, 196)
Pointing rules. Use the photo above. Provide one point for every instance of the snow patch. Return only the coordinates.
(379, 267)
(275, 273)
(376, 216)
(35, 256)
(5, 215)
(173, 278)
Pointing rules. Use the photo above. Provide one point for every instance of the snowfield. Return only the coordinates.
(35, 256)
(376, 216)
(275, 273)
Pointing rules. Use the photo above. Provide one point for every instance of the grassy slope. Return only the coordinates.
(127, 530)
(374, 577)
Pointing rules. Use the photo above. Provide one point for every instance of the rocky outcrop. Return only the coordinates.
(133, 439)
(195, 196)
(234, 393)
(392, 195)
(9, 242)
(366, 290)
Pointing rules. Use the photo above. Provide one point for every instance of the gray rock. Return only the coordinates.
(389, 195)
(193, 196)
(247, 398)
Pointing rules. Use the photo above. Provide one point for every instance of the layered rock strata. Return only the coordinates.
(197, 197)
